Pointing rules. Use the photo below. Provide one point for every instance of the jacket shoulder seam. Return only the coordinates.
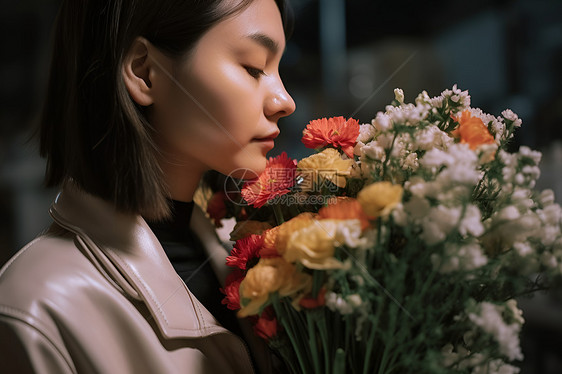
(18, 254)
(21, 317)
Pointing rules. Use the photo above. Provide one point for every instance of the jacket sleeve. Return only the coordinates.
(26, 350)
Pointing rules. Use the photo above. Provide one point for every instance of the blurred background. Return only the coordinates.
(345, 58)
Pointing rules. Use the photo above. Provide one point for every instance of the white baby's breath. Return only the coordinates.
(508, 114)
(381, 122)
(489, 318)
(439, 223)
(374, 151)
(399, 95)
(366, 133)
(459, 257)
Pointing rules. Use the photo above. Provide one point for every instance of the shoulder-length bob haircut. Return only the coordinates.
(91, 132)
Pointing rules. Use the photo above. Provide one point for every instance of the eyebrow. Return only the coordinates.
(265, 41)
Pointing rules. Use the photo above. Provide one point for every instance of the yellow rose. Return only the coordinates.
(287, 228)
(328, 165)
(268, 276)
(314, 245)
(378, 199)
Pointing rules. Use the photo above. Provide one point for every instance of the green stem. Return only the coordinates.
(289, 361)
(317, 282)
(286, 353)
(278, 214)
(426, 285)
(388, 153)
(312, 341)
(298, 324)
(339, 362)
(389, 342)
(348, 336)
(319, 318)
(297, 348)
(295, 211)
(369, 349)
(335, 321)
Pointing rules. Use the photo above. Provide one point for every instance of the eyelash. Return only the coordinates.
(255, 73)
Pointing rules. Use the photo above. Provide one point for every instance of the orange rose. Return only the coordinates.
(472, 131)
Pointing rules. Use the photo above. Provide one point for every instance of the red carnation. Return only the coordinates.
(232, 289)
(276, 179)
(246, 252)
(216, 207)
(337, 131)
(309, 302)
(266, 325)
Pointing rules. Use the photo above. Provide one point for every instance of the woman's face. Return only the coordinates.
(220, 106)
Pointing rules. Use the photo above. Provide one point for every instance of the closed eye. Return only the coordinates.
(254, 72)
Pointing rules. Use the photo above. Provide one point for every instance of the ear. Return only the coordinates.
(137, 72)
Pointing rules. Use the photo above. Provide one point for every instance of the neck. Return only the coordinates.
(182, 179)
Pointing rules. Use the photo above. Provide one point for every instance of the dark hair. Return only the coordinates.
(91, 132)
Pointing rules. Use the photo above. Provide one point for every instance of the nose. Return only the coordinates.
(279, 103)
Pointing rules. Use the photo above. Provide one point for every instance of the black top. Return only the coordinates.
(186, 253)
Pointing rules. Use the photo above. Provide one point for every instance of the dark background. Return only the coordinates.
(345, 58)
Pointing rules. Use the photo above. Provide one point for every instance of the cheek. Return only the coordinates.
(227, 99)
(211, 114)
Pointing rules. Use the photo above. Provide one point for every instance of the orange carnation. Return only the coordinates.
(345, 208)
(337, 131)
(276, 179)
(472, 131)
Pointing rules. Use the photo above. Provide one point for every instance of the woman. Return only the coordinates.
(144, 97)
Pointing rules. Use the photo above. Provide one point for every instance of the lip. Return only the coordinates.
(271, 137)
(268, 143)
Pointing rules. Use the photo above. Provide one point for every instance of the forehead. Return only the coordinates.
(260, 17)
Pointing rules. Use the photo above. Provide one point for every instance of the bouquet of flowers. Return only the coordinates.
(400, 246)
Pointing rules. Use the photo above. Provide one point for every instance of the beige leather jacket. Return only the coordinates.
(101, 296)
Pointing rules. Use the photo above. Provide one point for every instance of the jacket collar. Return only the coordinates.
(124, 247)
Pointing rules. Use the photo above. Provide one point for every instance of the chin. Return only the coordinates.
(249, 170)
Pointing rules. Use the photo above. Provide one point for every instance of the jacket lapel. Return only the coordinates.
(127, 250)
